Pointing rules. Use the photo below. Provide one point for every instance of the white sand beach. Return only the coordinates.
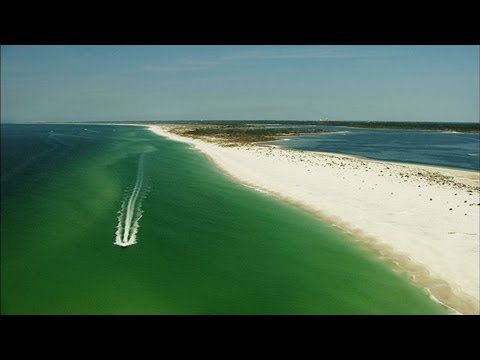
(423, 220)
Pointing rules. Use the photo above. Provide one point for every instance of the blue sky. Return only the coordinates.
(121, 83)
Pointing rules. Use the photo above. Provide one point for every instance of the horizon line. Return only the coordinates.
(207, 120)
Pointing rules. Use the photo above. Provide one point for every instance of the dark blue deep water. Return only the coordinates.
(458, 150)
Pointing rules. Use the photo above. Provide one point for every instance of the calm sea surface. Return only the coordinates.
(202, 243)
(457, 150)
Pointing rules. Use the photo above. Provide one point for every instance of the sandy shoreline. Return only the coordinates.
(422, 219)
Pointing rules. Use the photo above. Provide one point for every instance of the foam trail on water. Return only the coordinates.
(119, 232)
(130, 213)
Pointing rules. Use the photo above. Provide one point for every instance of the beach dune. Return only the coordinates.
(422, 220)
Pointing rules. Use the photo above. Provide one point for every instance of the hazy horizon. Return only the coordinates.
(208, 120)
(273, 83)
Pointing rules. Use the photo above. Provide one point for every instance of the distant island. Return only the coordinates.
(407, 125)
(463, 127)
(234, 133)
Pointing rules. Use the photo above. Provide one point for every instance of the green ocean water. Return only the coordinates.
(205, 244)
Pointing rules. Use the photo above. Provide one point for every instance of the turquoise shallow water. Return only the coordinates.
(205, 245)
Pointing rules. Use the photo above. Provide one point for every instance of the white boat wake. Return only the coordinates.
(131, 212)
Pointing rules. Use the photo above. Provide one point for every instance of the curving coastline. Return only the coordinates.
(421, 219)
